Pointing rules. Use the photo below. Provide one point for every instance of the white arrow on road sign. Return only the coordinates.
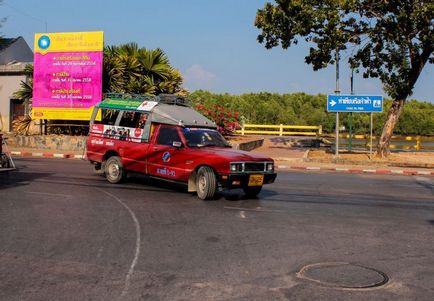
(332, 103)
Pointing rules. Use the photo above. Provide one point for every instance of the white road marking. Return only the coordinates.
(137, 253)
(49, 194)
(242, 214)
(251, 209)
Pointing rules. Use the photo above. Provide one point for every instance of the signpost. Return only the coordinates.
(355, 103)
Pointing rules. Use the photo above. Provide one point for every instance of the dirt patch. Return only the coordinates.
(416, 159)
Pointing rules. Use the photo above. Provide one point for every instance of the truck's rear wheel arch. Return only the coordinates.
(109, 154)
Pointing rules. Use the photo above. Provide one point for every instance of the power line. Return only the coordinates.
(27, 15)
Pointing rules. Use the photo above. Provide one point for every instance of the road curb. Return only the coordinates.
(47, 155)
(293, 167)
(359, 170)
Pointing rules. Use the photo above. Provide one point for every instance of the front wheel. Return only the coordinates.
(252, 192)
(206, 183)
(113, 170)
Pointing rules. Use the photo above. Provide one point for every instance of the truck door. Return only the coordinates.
(166, 160)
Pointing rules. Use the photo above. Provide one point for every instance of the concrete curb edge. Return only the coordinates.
(359, 170)
(47, 155)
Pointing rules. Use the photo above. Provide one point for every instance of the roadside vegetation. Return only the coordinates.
(304, 109)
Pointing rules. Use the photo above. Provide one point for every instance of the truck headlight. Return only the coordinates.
(270, 166)
(236, 167)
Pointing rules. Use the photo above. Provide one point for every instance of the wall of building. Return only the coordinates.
(9, 84)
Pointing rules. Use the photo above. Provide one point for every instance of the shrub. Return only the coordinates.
(226, 120)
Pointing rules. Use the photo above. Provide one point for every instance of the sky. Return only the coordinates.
(212, 42)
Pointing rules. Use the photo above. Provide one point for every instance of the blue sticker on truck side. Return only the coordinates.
(166, 157)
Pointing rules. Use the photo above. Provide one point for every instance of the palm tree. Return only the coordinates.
(25, 93)
(130, 69)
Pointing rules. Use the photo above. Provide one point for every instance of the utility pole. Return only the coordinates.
(350, 142)
(337, 91)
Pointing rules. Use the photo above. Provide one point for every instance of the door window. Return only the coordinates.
(167, 135)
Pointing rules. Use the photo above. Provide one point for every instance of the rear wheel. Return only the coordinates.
(113, 170)
(206, 183)
(252, 192)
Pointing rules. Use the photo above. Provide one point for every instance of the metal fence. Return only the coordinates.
(362, 142)
(280, 130)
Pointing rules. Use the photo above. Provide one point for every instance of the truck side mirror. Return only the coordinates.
(177, 144)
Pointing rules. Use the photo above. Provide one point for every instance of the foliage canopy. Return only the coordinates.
(305, 109)
(389, 40)
(130, 69)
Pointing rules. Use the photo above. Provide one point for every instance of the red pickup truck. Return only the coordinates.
(163, 137)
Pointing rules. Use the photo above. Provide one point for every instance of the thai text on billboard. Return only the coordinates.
(67, 78)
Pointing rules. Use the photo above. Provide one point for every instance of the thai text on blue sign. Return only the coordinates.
(355, 103)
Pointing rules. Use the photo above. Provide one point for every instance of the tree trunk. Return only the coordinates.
(392, 118)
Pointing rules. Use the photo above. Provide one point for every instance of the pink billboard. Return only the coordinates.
(67, 76)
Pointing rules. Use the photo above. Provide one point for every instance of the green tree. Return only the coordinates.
(389, 40)
(128, 68)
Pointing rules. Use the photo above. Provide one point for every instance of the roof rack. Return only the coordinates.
(128, 96)
(173, 99)
(161, 98)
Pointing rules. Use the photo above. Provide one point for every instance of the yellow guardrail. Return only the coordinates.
(419, 141)
(268, 129)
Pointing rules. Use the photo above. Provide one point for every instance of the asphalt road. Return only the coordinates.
(67, 234)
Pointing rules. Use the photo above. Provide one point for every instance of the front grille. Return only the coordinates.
(254, 166)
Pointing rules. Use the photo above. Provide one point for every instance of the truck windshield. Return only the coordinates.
(204, 137)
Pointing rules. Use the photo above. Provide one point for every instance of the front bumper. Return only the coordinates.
(240, 180)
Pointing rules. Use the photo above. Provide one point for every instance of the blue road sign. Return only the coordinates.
(355, 103)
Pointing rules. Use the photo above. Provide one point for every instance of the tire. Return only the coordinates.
(114, 170)
(206, 183)
(252, 192)
(4, 161)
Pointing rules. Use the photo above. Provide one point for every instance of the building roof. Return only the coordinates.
(15, 50)
(6, 42)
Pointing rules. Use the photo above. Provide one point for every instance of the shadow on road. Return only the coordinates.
(18, 178)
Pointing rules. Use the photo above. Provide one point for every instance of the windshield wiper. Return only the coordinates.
(207, 144)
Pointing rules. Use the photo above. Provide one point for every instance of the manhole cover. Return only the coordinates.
(343, 275)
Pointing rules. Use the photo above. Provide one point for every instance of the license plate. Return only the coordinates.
(256, 180)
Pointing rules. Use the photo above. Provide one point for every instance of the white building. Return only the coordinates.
(15, 53)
